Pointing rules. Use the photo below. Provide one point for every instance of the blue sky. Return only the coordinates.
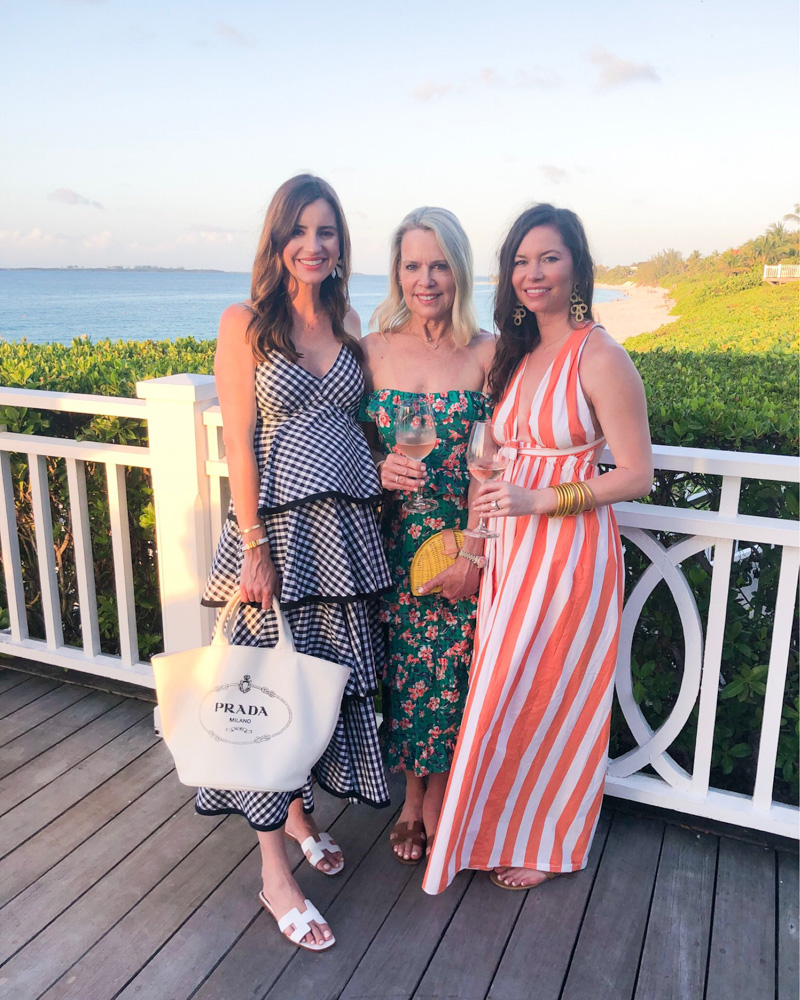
(155, 133)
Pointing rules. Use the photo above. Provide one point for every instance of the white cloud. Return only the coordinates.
(617, 72)
(553, 173)
(230, 34)
(100, 241)
(66, 196)
(213, 236)
(429, 89)
(36, 237)
(487, 79)
(138, 35)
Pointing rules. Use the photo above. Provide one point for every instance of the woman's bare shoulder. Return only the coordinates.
(232, 340)
(605, 361)
(236, 316)
(484, 345)
(352, 323)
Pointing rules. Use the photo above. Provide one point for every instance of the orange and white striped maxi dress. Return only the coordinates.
(527, 778)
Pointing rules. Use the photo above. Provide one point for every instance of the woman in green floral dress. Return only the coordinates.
(427, 345)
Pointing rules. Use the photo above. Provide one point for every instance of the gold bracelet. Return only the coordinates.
(573, 499)
(589, 501)
(255, 544)
(246, 531)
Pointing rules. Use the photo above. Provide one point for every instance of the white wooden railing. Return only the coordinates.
(189, 473)
(781, 272)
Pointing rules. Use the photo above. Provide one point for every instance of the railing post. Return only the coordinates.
(175, 407)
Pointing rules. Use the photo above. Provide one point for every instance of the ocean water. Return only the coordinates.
(56, 306)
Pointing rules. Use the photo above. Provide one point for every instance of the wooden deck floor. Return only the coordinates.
(111, 886)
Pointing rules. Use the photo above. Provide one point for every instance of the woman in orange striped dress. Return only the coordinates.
(527, 779)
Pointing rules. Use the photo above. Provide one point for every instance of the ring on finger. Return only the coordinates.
(495, 504)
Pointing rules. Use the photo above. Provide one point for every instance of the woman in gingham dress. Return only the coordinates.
(304, 489)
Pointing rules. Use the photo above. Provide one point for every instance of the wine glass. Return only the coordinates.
(486, 461)
(415, 437)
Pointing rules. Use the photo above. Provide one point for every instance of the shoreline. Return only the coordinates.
(643, 309)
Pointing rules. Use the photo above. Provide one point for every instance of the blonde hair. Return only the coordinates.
(393, 313)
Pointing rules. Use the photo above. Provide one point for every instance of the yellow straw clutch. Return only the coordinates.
(434, 555)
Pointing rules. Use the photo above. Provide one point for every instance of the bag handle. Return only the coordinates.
(224, 629)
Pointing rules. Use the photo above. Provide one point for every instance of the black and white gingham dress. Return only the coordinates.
(318, 494)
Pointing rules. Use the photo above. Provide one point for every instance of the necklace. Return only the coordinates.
(555, 342)
(430, 342)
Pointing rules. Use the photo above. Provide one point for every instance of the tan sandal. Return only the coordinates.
(495, 879)
(415, 832)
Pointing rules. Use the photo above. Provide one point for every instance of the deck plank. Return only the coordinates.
(108, 966)
(744, 910)
(355, 916)
(391, 969)
(81, 821)
(22, 694)
(62, 943)
(606, 956)
(548, 925)
(39, 711)
(788, 941)
(260, 955)
(106, 716)
(468, 955)
(191, 954)
(40, 738)
(675, 953)
(120, 891)
(26, 915)
(10, 678)
(42, 808)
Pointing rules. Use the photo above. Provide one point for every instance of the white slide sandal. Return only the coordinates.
(314, 851)
(301, 923)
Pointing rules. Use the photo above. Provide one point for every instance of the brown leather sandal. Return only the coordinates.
(495, 879)
(415, 832)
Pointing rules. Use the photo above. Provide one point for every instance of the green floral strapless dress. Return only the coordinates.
(430, 638)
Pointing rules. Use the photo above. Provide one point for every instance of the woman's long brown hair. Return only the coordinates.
(271, 286)
(514, 341)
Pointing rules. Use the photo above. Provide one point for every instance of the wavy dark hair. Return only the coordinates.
(515, 342)
(271, 285)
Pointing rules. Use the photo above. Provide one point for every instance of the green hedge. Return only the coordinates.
(728, 314)
(728, 400)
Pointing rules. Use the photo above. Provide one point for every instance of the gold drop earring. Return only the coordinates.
(577, 307)
(519, 315)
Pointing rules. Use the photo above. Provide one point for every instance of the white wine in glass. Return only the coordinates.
(415, 437)
(486, 461)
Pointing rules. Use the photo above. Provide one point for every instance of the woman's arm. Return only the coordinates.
(615, 391)
(234, 369)
(462, 578)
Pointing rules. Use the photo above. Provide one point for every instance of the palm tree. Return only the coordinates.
(793, 216)
(777, 231)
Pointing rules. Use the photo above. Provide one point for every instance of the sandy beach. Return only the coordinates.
(644, 309)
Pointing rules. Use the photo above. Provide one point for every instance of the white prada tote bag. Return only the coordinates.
(247, 718)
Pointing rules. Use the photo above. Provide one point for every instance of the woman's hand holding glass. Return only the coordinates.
(502, 499)
(415, 437)
(486, 461)
(398, 472)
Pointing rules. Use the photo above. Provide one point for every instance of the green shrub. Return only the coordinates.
(110, 369)
(732, 401)
(724, 314)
